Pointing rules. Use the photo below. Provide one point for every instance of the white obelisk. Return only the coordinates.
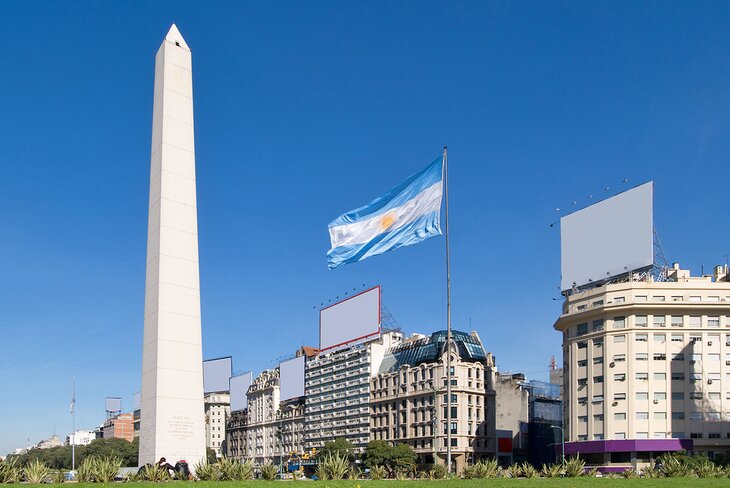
(172, 413)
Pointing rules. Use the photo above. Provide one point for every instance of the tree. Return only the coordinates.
(395, 458)
(377, 453)
(127, 452)
(339, 446)
(403, 457)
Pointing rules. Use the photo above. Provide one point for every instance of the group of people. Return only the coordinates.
(181, 467)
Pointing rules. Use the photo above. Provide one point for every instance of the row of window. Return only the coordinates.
(658, 396)
(620, 322)
(660, 356)
(656, 435)
(696, 416)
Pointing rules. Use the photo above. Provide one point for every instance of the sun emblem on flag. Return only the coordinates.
(386, 221)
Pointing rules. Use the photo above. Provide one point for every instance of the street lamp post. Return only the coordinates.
(562, 440)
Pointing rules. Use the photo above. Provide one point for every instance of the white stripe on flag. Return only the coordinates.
(363, 231)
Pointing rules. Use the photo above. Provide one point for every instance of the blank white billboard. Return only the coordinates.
(239, 386)
(609, 238)
(291, 378)
(113, 404)
(350, 320)
(216, 374)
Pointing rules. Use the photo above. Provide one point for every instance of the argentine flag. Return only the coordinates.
(407, 214)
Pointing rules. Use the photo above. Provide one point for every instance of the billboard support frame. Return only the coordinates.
(366, 336)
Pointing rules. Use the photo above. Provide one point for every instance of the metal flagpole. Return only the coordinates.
(73, 425)
(448, 316)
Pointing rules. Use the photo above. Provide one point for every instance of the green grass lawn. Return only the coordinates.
(492, 482)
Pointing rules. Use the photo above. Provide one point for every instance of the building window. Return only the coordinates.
(677, 321)
(642, 435)
(677, 338)
(618, 358)
(642, 395)
(659, 321)
(642, 356)
(640, 298)
(598, 379)
(677, 415)
(619, 416)
(641, 321)
(660, 415)
(619, 435)
(619, 338)
(678, 356)
(642, 376)
(677, 395)
(619, 396)
(619, 377)
(619, 322)
(598, 360)
(659, 298)
(678, 376)
(695, 395)
(582, 329)
(660, 338)
(582, 363)
(642, 337)
(659, 356)
(713, 321)
(582, 344)
(597, 399)
(597, 325)
(695, 321)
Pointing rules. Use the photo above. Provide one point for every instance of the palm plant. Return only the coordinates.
(528, 470)
(85, 471)
(574, 467)
(515, 470)
(354, 473)
(106, 468)
(10, 472)
(59, 476)
(482, 469)
(437, 472)
(333, 466)
(552, 471)
(377, 472)
(207, 472)
(36, 471)
(268, 472)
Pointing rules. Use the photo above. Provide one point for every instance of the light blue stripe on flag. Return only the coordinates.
(407, 214)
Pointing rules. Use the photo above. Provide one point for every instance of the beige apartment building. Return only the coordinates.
(647, 368)
(408, 400)
(217, 411)
(269, 430)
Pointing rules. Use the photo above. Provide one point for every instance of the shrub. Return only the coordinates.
(574, 467)
(85, 471)
(528, 470)
(207, 472)
(234, 470)
(106, 468)
(482, 469)
(10, 472)
(354, 473)
(377, 472)
(333, 467)
(36, 472)
(650, 472)
(58, 476)
(552, 471)
(437, 472)
(269, 471)
(630, 473)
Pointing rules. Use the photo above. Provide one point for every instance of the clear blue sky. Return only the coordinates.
(305, 110)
